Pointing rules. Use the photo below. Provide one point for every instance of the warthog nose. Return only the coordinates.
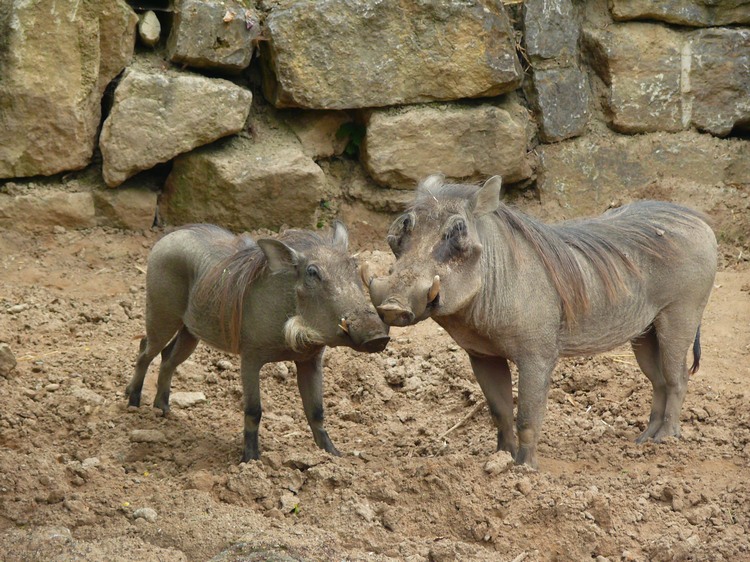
(394, 315)
(375, 345)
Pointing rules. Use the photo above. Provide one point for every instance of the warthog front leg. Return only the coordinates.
(310, 383)
(493, 376)
(534, 374)
(253, 412)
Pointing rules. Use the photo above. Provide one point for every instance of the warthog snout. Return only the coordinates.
(376, 345)
(394, 314)
(367, 332)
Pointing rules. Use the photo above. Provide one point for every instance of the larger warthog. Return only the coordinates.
(508, 287)
(270, 300)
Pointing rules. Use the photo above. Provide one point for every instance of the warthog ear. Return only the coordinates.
(280, 256)
(340, 235)
(487, 199)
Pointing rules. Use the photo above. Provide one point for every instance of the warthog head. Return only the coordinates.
(332, 308)
(437, 248)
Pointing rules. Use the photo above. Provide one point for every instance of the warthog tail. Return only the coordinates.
(696, 353)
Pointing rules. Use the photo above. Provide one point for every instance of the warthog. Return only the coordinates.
(508, 287)
(271, 300)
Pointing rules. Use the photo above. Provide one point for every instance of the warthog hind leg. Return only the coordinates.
(173, 355)
(646, 349)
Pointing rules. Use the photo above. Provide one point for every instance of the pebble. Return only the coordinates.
(187, 399)
(87, 395)
(89, 463)
(16, 308)
(7, 360)
(146, 513)
(223, 364)
(147, 436)
(498, 463)
(524, 486)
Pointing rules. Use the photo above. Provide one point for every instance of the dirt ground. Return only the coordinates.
(76, 473)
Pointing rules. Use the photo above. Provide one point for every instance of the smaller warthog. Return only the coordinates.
(508, 287)
(271, 300)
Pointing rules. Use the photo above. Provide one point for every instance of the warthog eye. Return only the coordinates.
(313, 273)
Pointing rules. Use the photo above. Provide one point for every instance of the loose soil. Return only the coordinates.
(74, 477)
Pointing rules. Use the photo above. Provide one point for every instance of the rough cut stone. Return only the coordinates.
(550, 31)
(213, 34)
(7, 360)
(156, 116)
(44, 209)
(584, 175)
(56, 60)
(698, 13)
(560, 98)
(403, 145)
(244, 185)
(149, 28)
(132, 208)
(642, 66)
(720, 79)
(338, 54)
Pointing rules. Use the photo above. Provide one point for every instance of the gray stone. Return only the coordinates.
(147, 436)
(146, 513)
(186, 399)
(156, 116)
(338, 54)
(720, 79)
(642, 66)
(87, 395)
(213, 34)
(149, 28)
(550, 31)
(698, 13)
(44, 209)
(7, 360)
(244, 185)
(560, 98)
(132, 208)
(56, 60)
(405, 144)
(584, 176)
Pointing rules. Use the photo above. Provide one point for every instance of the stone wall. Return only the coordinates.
(287, 112)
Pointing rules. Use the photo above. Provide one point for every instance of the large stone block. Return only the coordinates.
(244, 185)
(642, 66)
(338, 54)
(56, 59)
(662, 80)
(43, 209)
(720, 79)
(403, 145)
(156, 116)
(550, 31)
(698, 13)
(585, 175)
(213, 34)
(560, 98)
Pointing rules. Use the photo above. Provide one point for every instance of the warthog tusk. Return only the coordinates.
(364, 273)
(434, 290)
(343, 325)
